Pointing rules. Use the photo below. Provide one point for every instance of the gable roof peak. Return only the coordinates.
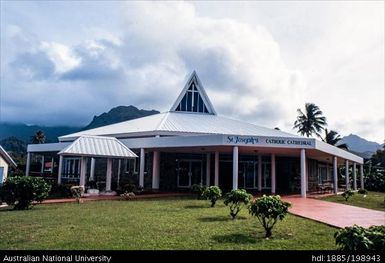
(193, 98)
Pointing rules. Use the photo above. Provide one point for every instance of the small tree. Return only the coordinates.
(347, 194)
(235, 200)
(212, 193)
(22, 191)
(359, 238)
(268, 210)
(77, 192)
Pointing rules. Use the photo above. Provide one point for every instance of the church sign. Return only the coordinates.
(269, 141)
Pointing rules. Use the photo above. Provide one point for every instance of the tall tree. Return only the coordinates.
(311, 121)
(38, 137)
(333, 138)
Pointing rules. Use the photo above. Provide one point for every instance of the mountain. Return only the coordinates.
(118, 114)
(360, 145)
(14, 137)
(24, 132)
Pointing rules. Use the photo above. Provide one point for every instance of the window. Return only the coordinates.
(192, 101)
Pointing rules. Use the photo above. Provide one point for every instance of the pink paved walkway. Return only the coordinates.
(334, 214)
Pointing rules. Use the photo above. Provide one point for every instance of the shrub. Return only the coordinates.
(363, 191)
(268, 210)
(128, 188)
(359, 238)
(198, 190)
(21, 191)
(347, 194)
(235, 200)
(212, 193)
(60, 190)
(77, 192)
(127, 195)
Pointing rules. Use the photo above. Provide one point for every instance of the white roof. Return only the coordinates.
(179, 123)
(98, 146)
(7, 157)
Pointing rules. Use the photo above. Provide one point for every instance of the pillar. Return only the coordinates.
(59, 171)
(216, 169)
(273, 176)
(354, 176)
(83, 170)
(92, 170)
(347, 175)
(362, 177)
(141, 168)
(155, 170)
(335, 174)
(108, 174)
(52, 164)
(260, 173)
(208, 160)
(42, 165)
(28, 164)
(235, 167)
(303, 173)
(119, 167)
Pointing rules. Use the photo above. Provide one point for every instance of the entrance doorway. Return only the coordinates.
(189, 172)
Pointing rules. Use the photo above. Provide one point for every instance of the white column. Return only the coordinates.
(347, 175)
(216, 169)
(208, 160)
(52, 165)
(260, 173)
(28, 164)
(335, 174)
(354, 176)
(155, 170)
(235, 167)
(273, 176)
(108, 174)
(362, 176)
(83, 170)
(59, 171)
(42, 165)
(119, 166)
(141, 168)
(303, 173)
(92, 170)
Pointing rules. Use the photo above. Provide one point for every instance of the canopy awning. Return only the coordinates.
(98, 146)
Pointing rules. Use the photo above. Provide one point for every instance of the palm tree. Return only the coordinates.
(310, 122)
(38, 137)
(333, 138)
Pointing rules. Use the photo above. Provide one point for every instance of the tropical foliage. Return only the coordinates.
(77, 192)
(311, 121)
(359, 238)
(38, 137)
(212, 193)
(268, 210)
(236, 199)
(375, 172)
(333, 138)
(198, 190)
(21, 191)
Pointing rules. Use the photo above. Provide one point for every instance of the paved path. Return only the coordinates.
(334, 214)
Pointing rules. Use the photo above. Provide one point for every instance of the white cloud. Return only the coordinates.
(259, 61)
(61, 55)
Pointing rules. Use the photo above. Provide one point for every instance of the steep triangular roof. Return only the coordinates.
(193, 98)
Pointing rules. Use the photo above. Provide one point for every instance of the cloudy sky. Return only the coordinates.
(64, 62)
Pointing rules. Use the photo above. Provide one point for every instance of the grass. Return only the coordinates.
(153, 224)
(373, 200)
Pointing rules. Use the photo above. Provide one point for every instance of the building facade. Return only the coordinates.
(192, 144)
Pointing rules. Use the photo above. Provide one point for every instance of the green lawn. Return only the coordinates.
(153, 224)
(373, 200)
